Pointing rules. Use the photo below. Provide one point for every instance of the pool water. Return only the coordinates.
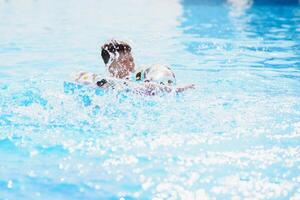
(236, 136)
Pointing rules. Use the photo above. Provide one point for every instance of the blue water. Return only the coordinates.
(236, 136)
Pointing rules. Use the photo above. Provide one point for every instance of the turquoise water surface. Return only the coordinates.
(236, 136)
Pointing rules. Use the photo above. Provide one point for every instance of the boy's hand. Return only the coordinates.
(181, 89)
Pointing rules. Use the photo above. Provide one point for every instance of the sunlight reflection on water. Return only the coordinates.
(235, 136)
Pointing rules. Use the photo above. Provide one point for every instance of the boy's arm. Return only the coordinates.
(155, 88)
(144, 88)
(151, 88)
(184, 88)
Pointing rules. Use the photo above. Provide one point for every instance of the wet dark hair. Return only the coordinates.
(113, 46)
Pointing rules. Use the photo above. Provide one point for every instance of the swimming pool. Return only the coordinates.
(236, 136)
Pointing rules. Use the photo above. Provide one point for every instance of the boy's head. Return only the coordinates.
(117, 57)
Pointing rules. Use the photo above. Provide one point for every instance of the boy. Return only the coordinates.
(120, 64)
